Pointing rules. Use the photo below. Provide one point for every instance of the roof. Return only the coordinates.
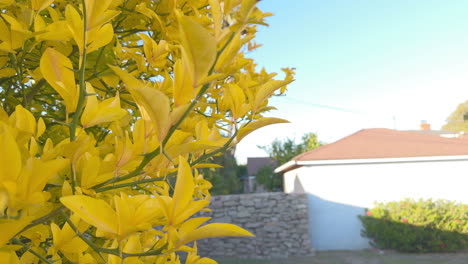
(380, 143)
(254, 164)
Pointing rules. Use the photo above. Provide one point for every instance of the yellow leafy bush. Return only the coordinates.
(107, 110)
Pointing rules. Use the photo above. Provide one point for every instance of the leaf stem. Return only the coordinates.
(28, 248)
(82, 83)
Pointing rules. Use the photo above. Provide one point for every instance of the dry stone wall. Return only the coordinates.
(279, 221)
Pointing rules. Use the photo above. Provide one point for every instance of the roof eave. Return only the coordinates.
(287, 166)
(373, 160)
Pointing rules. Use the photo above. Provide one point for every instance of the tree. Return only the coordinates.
(283, 151)
(108, 110)
(227, 178)
(458, 120)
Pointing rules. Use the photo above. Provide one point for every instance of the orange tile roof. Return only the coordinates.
(386, 143)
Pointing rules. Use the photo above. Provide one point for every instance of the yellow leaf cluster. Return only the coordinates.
(108, 110)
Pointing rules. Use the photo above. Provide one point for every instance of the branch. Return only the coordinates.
(41, 219)
(28, 248)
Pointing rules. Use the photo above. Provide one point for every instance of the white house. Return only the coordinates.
(343, 178)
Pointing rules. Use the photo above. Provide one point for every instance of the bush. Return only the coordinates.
(108, 109)
(417, 226)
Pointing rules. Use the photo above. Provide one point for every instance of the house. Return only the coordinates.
(343, 178)
(254, 164)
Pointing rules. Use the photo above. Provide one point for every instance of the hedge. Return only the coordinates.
(417, 226)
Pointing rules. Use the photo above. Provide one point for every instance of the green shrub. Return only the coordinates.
(417, 226)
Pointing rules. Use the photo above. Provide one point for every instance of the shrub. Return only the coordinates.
(108, 108)
(417, 226)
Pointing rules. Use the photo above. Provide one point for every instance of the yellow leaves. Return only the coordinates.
(153, 104)
(12, 37)
(94, 211)
(75, 25)
(212, 230)
(38, 5)
(90, 171)
(66, 240)
(8, 228)
(217, 17)
(58, 71)
(100, 112)
(183, 89)
(183, 189)
(154, 53)
(7, 72)
(167, 55)
(266, 90)
(8, 256)
(247, 129)
(97, 35)
(10, 165)
(55, 31)
(4, 3)
(198, 48)
(97, 13)
(236, 99)
(25, 120)
(131, 214)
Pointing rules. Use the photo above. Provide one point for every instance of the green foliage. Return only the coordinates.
(225, 180)
(284, 150)
(269, 179)
(417, 226)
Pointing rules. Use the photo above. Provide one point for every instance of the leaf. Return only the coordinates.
(266, 90)
(8, 228)
(154, 53)
(213, 230)
(7, 72)
(236, 99)
(183, 89)
(99, 37)
(38, 5)
(192, 208)
(25, 120)
(207, 165)
(10, 165)
(93, 211)
(5, 3)
(41, 127)
(75, 25)
(154, 105)
(244, 131)
(184, 187)
(191, 224)
(217, 15)
(100, 112)
(97, 13)
(57, 70)
(199, 47)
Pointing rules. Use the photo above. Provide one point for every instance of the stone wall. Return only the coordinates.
(279, 221)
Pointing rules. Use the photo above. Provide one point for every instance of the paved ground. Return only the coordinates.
(362, 257)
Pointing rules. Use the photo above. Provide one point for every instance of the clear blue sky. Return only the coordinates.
(362, 64)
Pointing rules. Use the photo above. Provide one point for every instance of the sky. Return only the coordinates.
(361, 64)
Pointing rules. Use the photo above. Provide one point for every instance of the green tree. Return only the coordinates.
(269, 179)
(227, 179)
(283, 151)
(458, 120)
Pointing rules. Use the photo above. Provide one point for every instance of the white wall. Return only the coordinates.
(338, 193)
